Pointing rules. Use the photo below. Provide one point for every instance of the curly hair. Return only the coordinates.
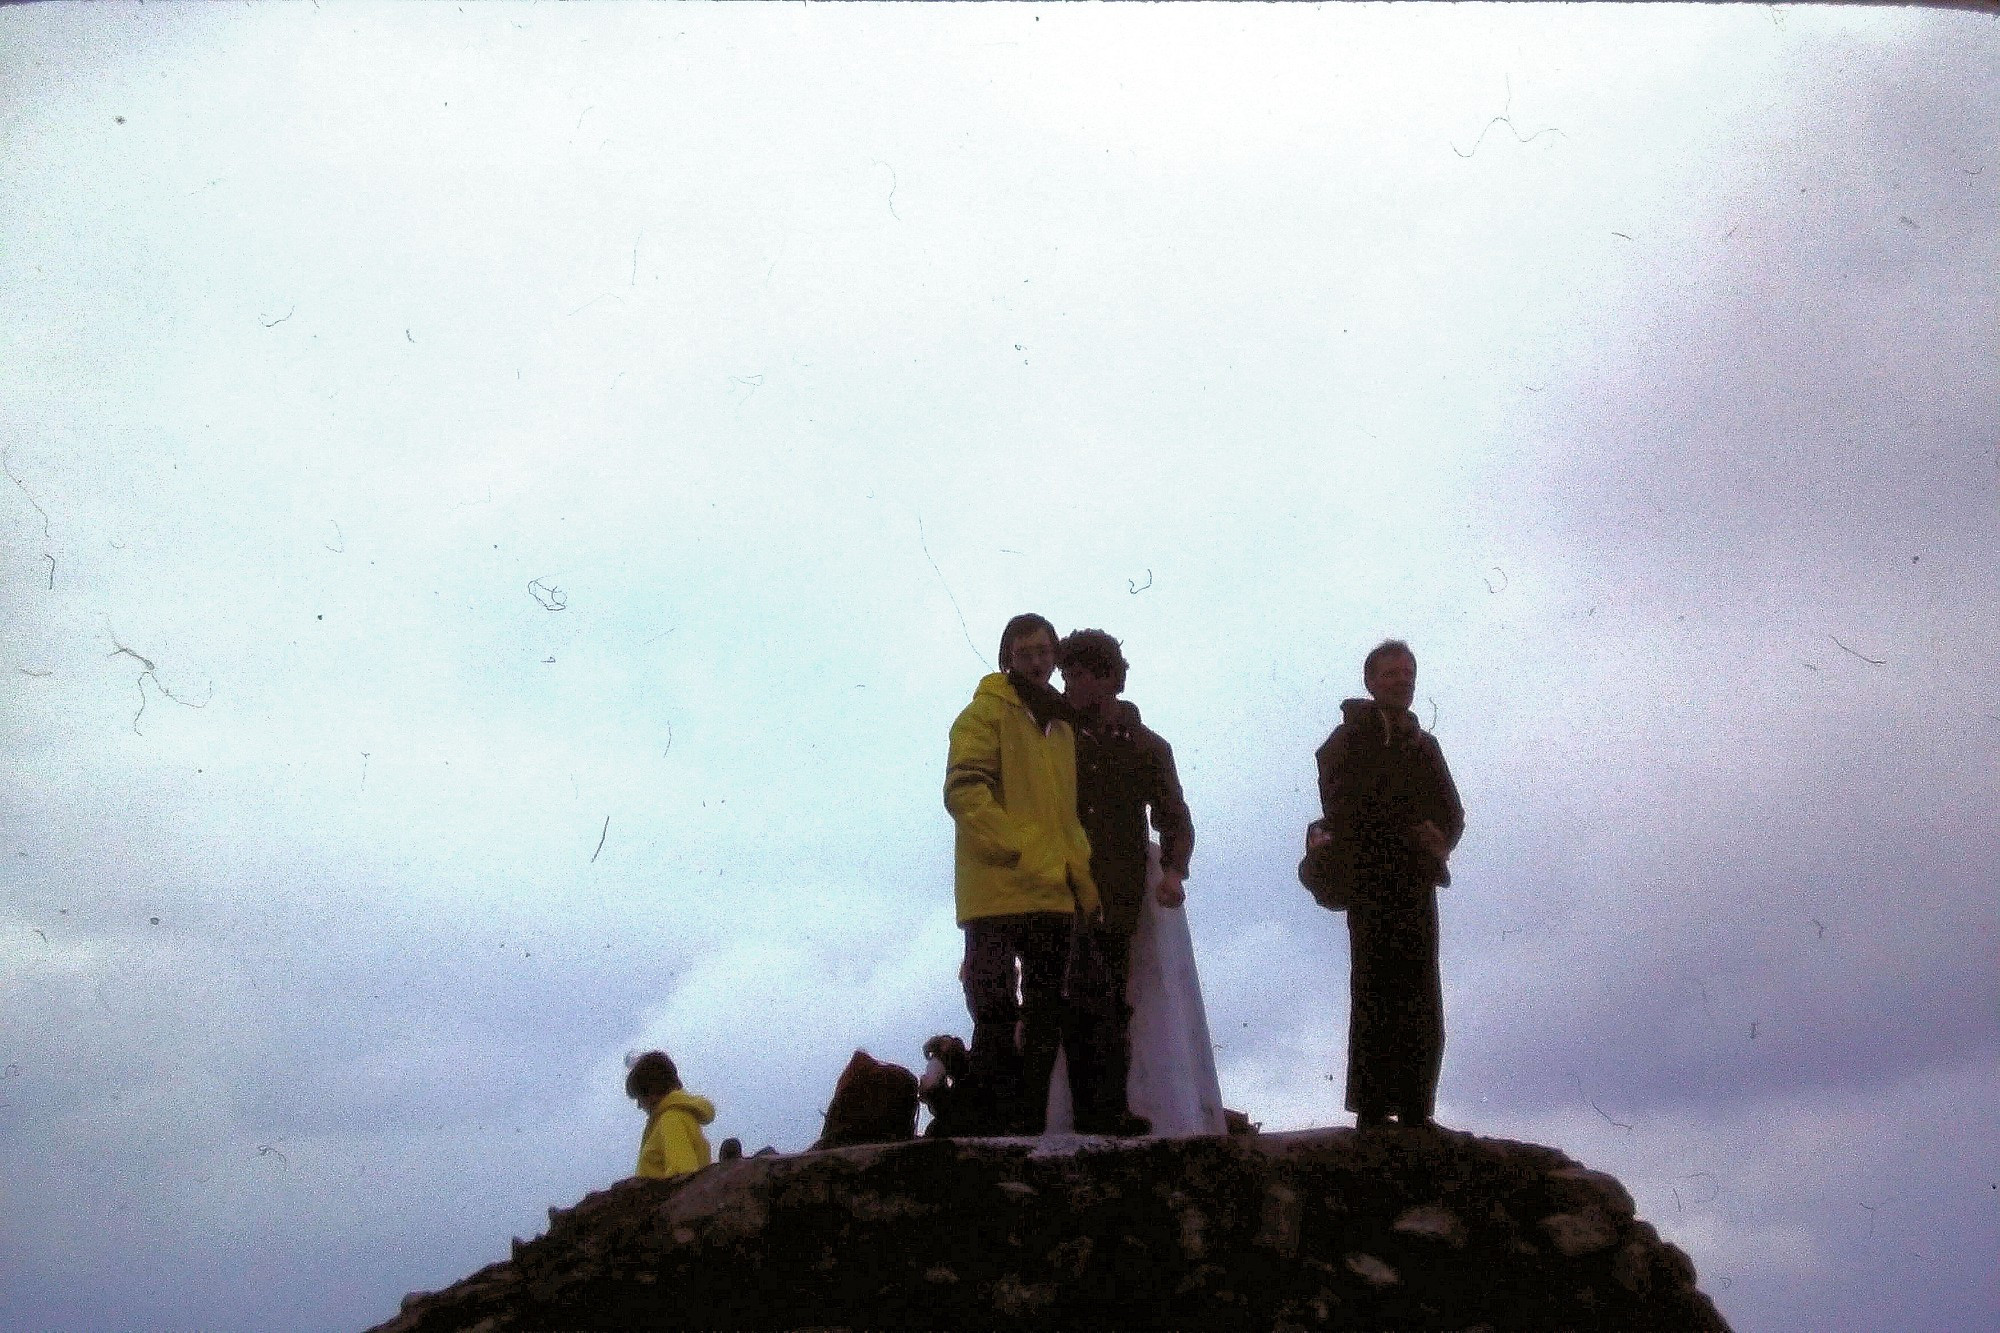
(1095, 652)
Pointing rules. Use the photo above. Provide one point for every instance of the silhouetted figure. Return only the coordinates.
(1123, 770)
(946, 1089)
(1022, 871)
(673, 1143)
(1394, 817)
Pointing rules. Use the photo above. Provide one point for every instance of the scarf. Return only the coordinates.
(1044, 704)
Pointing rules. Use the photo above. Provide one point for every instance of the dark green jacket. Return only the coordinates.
(1376, 783)
(1123, 770)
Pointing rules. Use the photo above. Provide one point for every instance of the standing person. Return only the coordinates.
(1022, 871)
(673, 1143)
(1394, 817)
(1124, 770)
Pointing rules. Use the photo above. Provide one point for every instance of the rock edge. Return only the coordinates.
(1332, 1229)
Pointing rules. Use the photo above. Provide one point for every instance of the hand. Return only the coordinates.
(1169, 892)
(1431, 838)
(1317, 837)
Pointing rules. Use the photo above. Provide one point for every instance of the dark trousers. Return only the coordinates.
(1097, 1024)
(1395, 1030)
(1013, 1081)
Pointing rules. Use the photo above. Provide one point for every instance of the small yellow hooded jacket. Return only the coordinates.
(673, 1144)
(1011, 790)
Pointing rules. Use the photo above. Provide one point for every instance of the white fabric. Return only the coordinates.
(1172, 1079)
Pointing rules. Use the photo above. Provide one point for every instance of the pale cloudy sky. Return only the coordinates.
(1640, 365)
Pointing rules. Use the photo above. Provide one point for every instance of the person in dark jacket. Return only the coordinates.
(1123, 771)
(1394, 816)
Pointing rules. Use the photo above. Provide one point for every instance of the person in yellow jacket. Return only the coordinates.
(673, 1144)
(1022, 872)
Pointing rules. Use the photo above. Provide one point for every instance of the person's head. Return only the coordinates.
(1093, 668)
(1390, 673)
(1028, 647)
(651, 1077)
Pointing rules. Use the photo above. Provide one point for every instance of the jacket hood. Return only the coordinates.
(1356, 712)
(995, 685)
(680, 1099)
(1044, 703)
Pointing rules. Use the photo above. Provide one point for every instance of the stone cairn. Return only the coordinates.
(1330, 1229)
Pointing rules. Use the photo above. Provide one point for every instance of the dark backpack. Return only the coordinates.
(1325, 870)
(873, 1102)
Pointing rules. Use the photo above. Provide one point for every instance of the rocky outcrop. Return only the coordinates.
(1335, 1229)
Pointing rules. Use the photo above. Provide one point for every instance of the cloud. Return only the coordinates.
(305, 423)
(1812, 1207)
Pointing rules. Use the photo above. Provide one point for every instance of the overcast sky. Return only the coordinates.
(504, 503)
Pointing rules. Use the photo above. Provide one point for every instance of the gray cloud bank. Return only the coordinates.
(1200, 326)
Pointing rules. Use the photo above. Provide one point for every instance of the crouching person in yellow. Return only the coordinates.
(1022, 873)
(673, 1144)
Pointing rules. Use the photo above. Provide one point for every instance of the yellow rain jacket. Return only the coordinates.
(673, 1144)
(1011, 790)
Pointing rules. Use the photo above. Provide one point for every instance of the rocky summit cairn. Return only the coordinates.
(1330, 1228)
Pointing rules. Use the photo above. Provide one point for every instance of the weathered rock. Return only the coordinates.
(1576, 1234)
(1372, 1270)
(1432, 1223)
(1283, 1214)
(1324, 1229)
(1579, 1187)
